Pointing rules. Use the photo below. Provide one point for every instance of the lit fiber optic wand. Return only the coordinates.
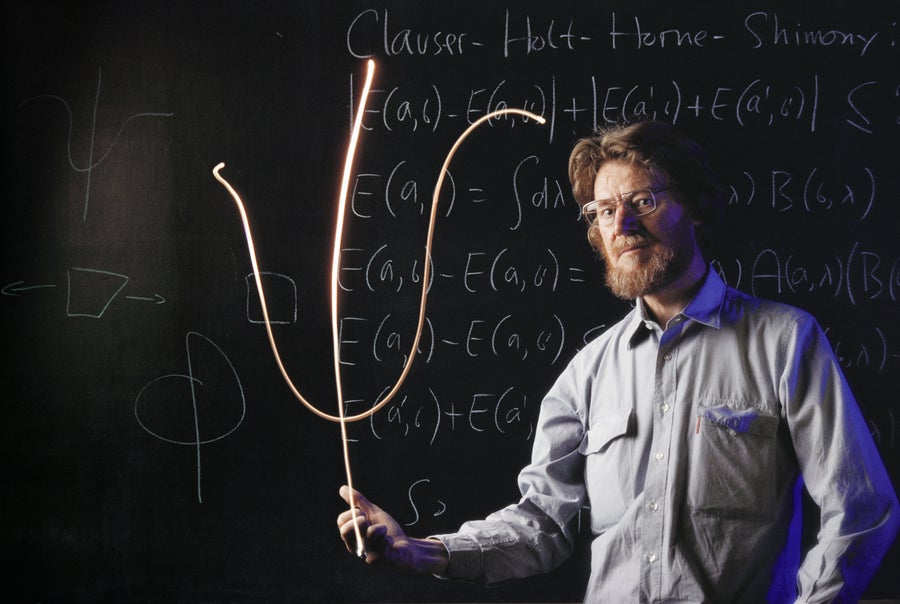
(335, 269)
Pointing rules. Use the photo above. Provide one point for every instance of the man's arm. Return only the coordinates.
(841, 469)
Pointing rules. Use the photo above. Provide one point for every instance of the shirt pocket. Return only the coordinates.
(732, 462)
(607, 456)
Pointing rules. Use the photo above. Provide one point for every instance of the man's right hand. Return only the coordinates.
(385, 540)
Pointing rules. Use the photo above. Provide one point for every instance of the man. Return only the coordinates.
(685, 427)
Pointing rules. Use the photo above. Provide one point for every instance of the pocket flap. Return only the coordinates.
(604, 430)
(742, 421)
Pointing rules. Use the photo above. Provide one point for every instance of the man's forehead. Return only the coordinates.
(617, 177)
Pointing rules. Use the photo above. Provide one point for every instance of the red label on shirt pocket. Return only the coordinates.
(741, 421)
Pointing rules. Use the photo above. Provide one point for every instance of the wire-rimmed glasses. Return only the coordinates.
(602, 212)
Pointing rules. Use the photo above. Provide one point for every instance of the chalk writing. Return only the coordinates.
(536, 38)
(411, 109)
(405, 41)
(538, 191)
(89, 291)
(17, 287)
(504, 270)
(371, 32)
(509, 336)
(438, 506)
(858, 275)
(161, 401)
(812, 190)
(91, 164)
(399, 194)
(886, 437)
(282, 298)
(769, 29)
(870, 348)
(387, 338)
(591, 102)
(639, 37)
(858, 119)
(156, 299)
(503, 413)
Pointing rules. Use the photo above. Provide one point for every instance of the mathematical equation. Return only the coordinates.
(427, 496)
(585, 104)
(390, 269)
(869, 348)
(582, 106)
(532, 189)
(813, 191)
(538, 337)
(397, 191)
(858, 275)
(508, 412)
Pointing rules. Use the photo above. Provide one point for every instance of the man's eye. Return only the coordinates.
(642, 201)
(606, 212)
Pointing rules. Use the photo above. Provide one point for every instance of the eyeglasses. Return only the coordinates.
(602, 212)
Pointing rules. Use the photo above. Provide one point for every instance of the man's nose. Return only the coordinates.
(626, 223)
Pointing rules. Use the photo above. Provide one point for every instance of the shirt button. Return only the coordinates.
(659, 456)
(653, 506)
(664, 407)
(667, 356)
(651, 557)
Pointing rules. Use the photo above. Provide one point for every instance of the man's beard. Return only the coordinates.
(663, 267)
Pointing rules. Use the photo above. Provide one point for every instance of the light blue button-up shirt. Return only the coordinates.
(687, 444)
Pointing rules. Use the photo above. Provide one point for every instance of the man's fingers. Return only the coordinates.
(358, 499)
(376, 532)
(349, 525)
(347, 516)
(378, 544)
(348, 530)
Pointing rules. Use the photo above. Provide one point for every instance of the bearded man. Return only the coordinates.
(686, 427)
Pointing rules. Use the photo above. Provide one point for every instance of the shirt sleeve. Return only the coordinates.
(841, 469)
(534, 535)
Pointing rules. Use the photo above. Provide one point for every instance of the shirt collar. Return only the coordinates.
(704, 308)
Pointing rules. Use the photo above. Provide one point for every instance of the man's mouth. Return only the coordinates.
(632, 246)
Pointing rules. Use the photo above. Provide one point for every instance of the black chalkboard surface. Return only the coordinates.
(151, 451)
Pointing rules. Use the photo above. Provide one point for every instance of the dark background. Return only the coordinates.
(130, 334)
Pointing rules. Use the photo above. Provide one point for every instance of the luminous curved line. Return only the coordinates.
(335, 271)
(426, 273)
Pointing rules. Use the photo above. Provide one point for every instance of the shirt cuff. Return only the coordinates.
(466, 560)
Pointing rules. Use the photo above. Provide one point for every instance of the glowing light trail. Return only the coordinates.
(341, 418)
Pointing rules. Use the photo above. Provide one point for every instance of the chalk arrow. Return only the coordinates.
(157, 299)
(13, 289)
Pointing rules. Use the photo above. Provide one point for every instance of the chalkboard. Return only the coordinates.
(151, 451)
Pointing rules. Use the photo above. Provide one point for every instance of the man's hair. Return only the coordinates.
(666, 154)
